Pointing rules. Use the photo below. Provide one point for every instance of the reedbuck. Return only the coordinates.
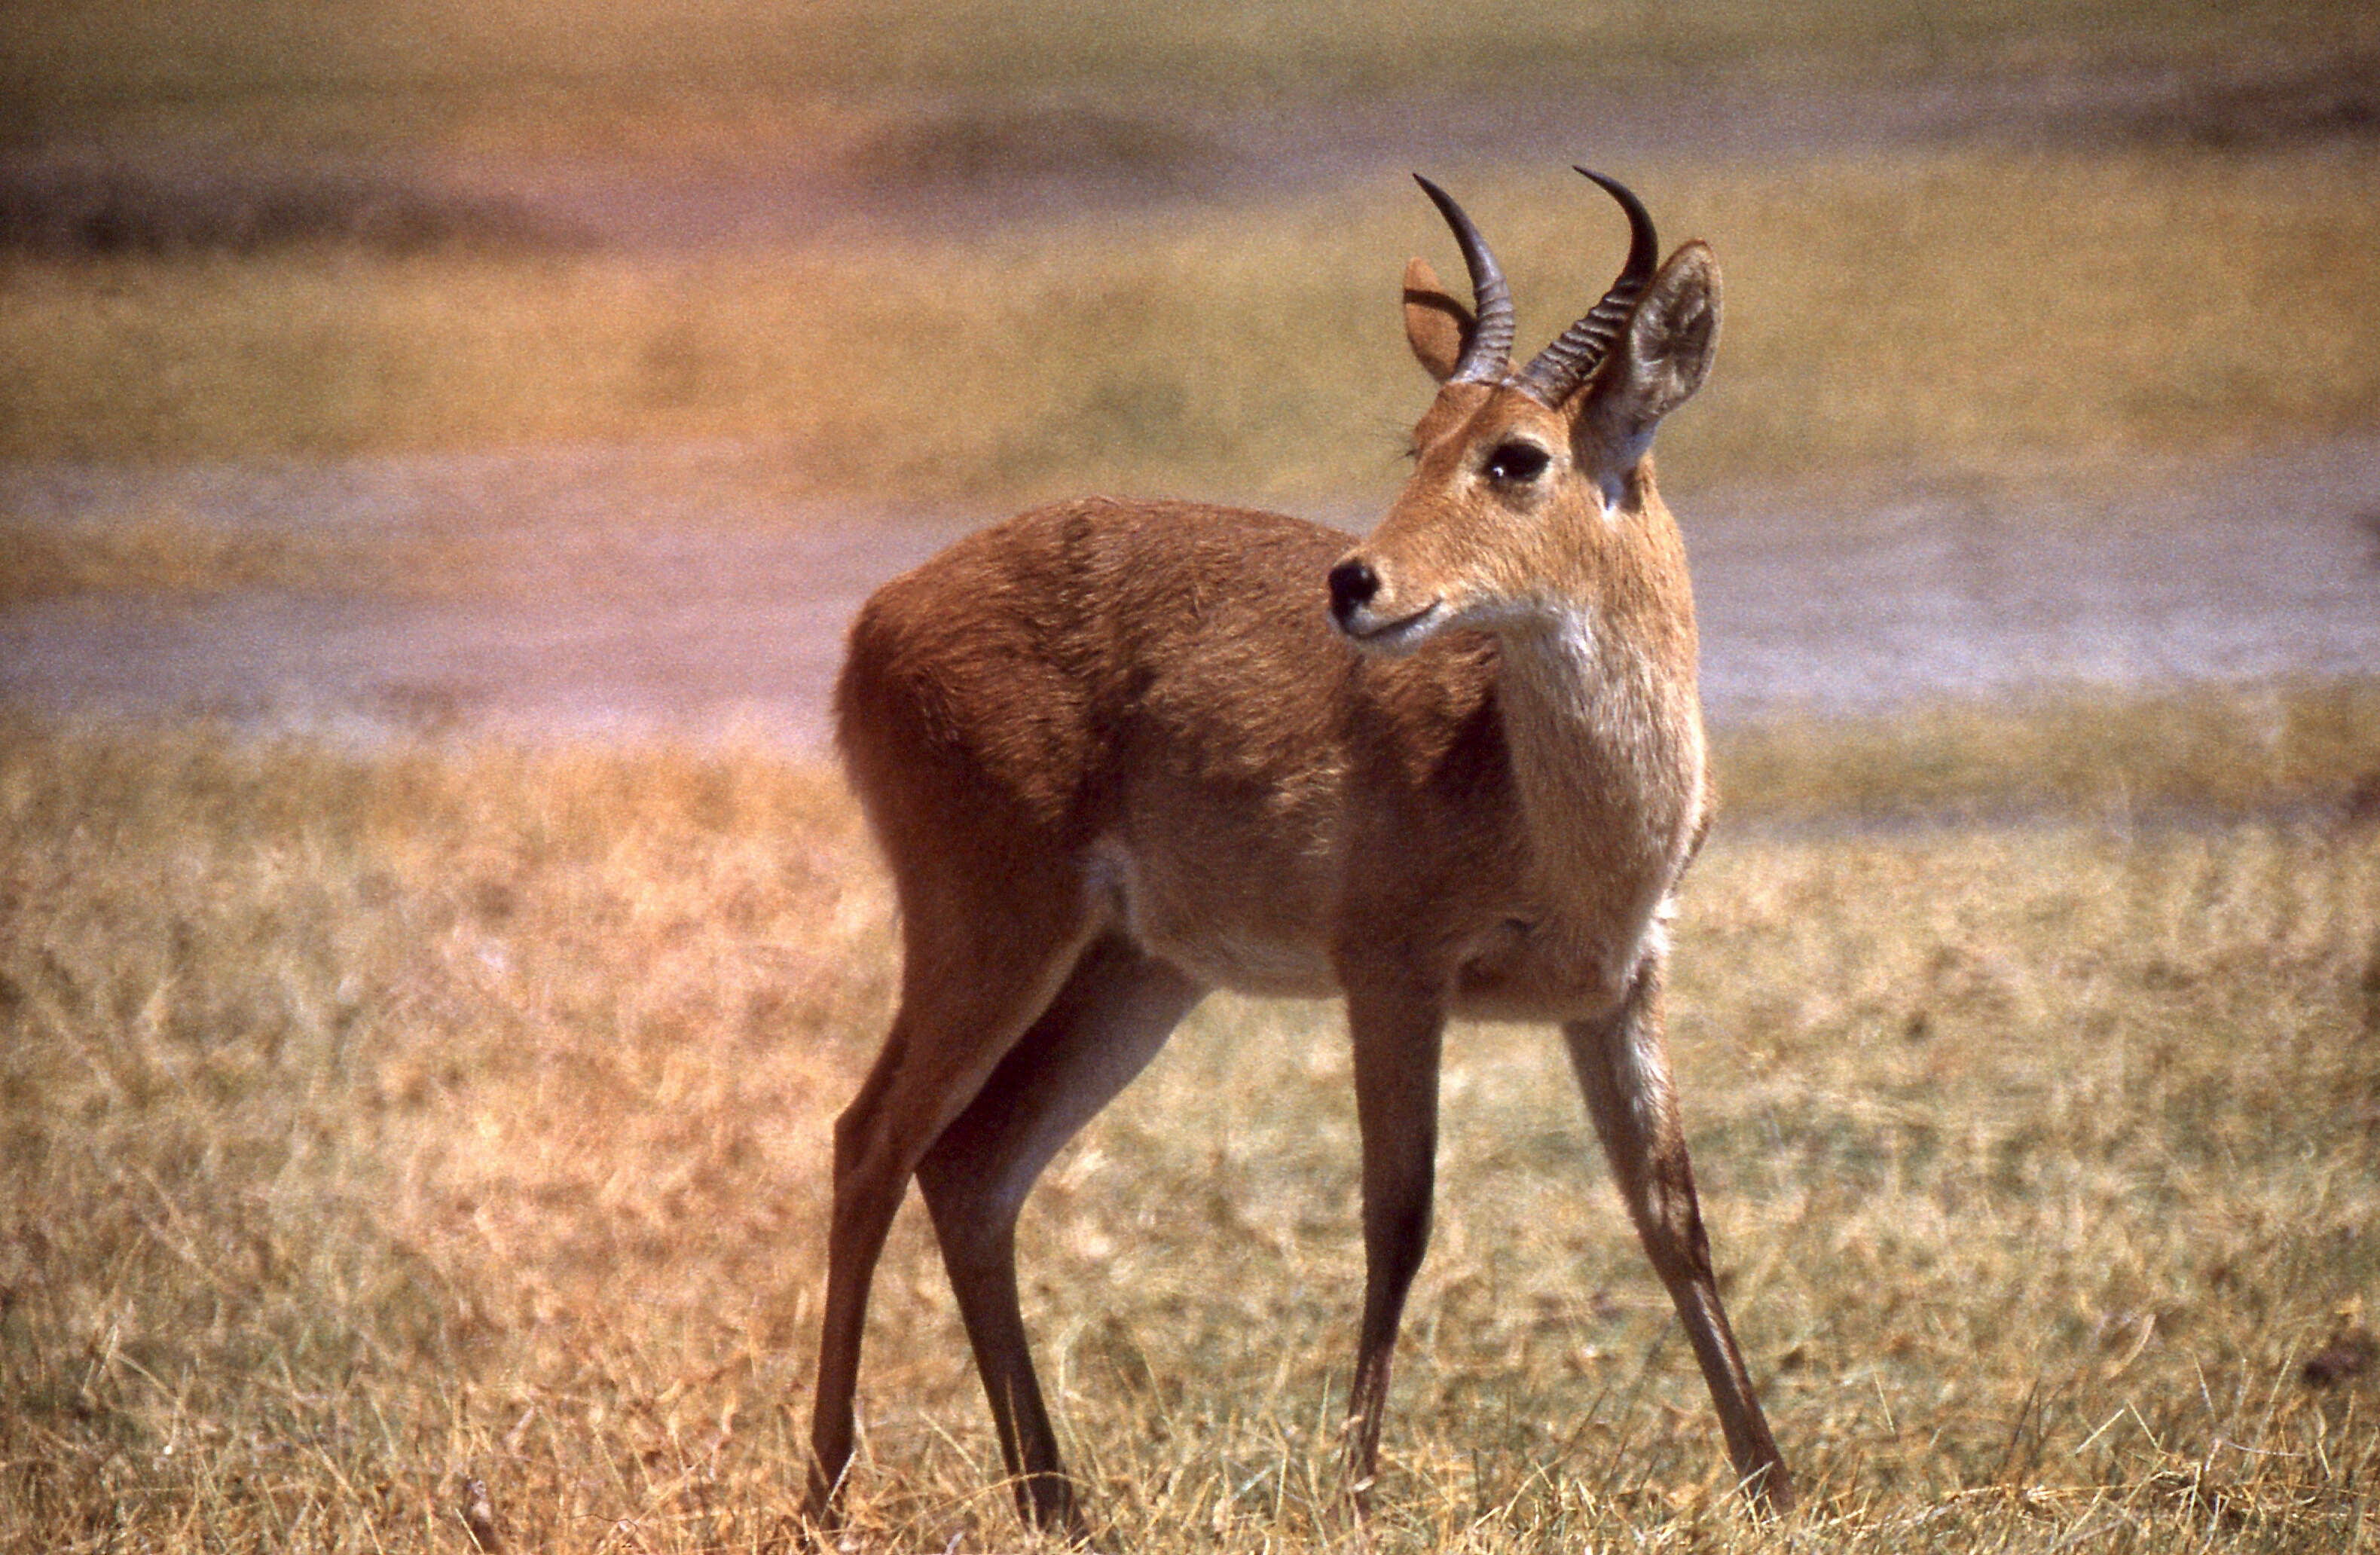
(1119, 754)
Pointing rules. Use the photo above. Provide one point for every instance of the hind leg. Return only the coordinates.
(1106, 1024)
(968, 994)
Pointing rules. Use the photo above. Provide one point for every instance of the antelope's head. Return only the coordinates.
(1531, 497)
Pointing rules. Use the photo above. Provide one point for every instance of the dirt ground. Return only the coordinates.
(635, 591)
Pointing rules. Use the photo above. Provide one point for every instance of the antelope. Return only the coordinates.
(1118, 754)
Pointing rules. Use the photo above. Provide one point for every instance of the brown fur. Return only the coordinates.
(1118, 754)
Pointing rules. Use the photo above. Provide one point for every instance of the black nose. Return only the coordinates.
(1353, 584)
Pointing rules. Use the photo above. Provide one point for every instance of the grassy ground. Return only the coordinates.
(1943, 301)
(388, 1132)
(1956, 309)
(375, 1124)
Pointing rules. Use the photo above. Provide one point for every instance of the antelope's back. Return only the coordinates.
(1153, 694)
(1034, 667)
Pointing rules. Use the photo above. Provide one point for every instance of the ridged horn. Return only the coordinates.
(1559, 370)
(1489, 354)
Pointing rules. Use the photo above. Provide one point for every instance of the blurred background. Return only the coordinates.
(441, 443)
(743, 306)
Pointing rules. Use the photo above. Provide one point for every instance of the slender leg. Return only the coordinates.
(966, 998)
(1396, 1045)
(1104, 1027)
(1624, 1066)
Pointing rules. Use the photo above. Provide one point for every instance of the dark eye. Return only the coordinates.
(1517, 462)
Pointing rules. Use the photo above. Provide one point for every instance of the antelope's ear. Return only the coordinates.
(1672, 336)
(1436, 325)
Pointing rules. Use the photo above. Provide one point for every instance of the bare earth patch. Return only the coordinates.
(687, 590)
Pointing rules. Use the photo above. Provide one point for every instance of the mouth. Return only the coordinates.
(1396, 635)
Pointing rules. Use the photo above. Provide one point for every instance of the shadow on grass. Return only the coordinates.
(82, 201)
(1031, 145)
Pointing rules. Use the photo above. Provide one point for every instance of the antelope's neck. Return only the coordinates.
(1604, 729)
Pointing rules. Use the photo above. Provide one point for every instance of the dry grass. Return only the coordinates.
(373, 1122)
(2203, 755)
(316, 1073)
(1953, 310)
(2202, 273)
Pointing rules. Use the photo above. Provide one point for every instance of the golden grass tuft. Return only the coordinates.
(378, 1123)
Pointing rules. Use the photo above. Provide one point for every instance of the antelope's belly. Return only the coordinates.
(1254, 927)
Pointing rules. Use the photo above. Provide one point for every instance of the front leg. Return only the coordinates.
(1624, 1066)
(1397, 1032)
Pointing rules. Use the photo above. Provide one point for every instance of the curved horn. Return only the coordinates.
(1560, 368)
(1489, 351)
